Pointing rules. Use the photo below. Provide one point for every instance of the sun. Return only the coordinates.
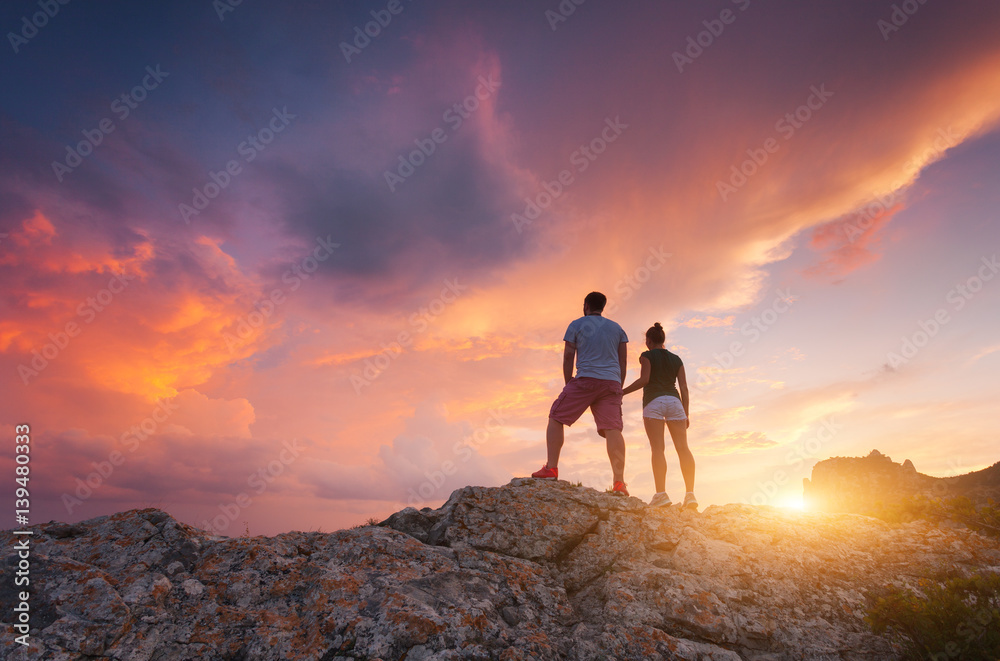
(792, 501)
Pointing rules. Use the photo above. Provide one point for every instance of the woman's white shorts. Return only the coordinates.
(666, 407)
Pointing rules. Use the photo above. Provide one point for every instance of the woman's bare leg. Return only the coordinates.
(678, 432)
(654, 430)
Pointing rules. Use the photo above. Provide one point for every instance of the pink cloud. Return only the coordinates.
(708, 322)
(851, 244)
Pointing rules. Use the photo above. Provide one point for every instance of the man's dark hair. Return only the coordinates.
(596, 301)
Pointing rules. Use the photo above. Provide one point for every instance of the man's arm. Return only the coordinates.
(622, 359)
(569, 355)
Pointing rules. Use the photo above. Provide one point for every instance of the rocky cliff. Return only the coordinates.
(531, 570)
(862, 485)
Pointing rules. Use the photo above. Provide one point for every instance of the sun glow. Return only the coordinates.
(794, 502)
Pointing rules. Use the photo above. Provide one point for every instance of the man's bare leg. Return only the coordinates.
(554, 437)
(678, 432)
(616, 453)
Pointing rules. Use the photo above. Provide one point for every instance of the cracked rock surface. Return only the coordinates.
(532, 570)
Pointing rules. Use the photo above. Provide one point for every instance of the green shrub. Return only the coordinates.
(951, 617)
(985, 519)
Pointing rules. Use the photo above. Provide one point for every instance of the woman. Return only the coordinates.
(663, 404)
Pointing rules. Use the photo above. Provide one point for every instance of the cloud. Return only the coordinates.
(191, 449)
(429, 207)
(708, 322)
(849, 245)
(986, 351)
(198, 415)
(421, 466)
(737, 441)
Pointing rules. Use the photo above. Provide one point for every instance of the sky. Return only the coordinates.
(293, 266)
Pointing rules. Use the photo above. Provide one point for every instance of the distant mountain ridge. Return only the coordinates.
(860, 485)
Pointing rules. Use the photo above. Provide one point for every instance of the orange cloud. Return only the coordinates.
(708, 322)
(36, 229)
(334, 359)
(48, 250)
(737, 441)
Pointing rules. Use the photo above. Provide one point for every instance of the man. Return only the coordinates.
(599, 347)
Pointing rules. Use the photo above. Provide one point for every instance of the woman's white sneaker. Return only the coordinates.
(660, 500)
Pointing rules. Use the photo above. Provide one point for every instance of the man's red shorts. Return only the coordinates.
(603, 396)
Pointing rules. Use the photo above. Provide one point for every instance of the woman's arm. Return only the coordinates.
(643, 376)
(682, 384)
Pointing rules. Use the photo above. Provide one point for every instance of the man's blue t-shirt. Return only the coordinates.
(597, 341)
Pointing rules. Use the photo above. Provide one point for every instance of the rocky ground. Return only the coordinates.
(534, 569)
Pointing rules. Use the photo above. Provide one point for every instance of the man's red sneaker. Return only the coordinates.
(619, 489)
(546, 473)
